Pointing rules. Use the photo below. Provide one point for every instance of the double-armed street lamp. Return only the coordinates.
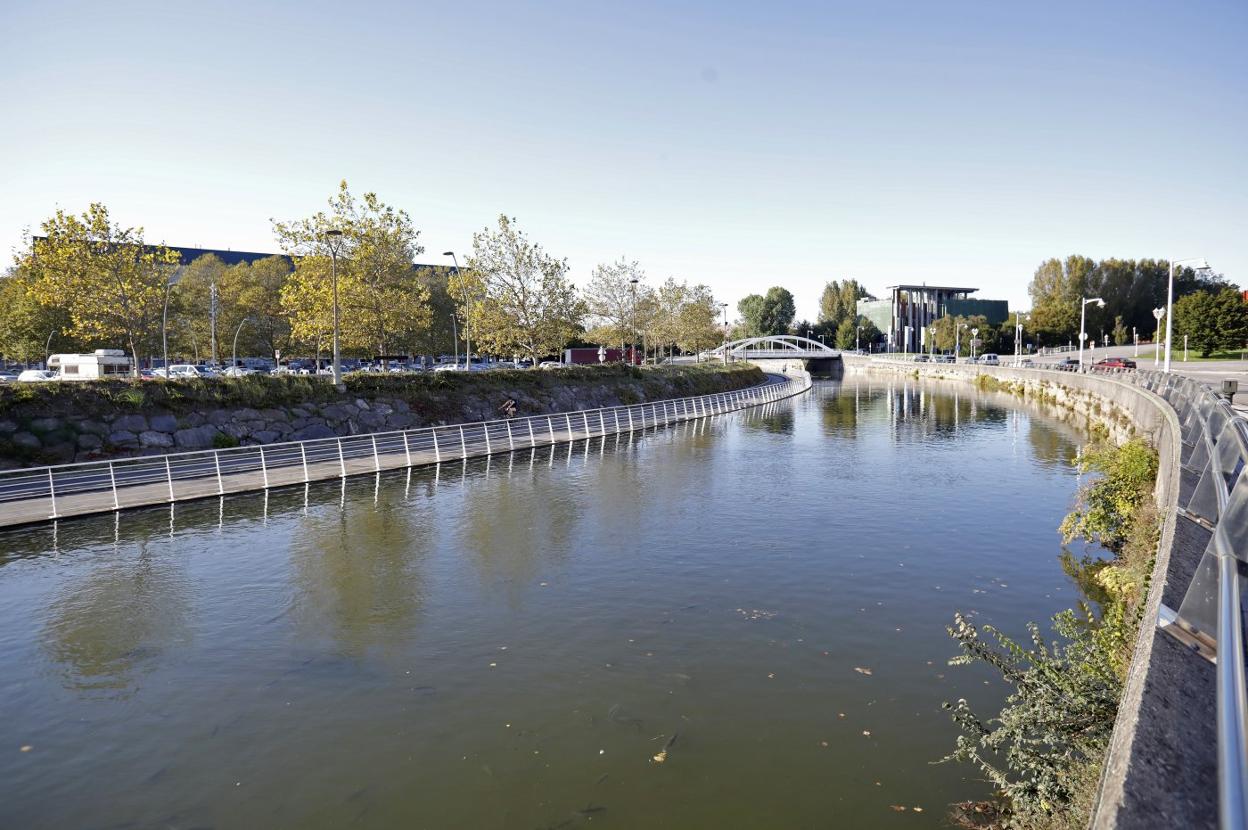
(1201, 265)
(1083, 314)
(974, 334)
(467, 333)
(236, 331)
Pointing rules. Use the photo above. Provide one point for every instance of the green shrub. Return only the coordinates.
(221, 441)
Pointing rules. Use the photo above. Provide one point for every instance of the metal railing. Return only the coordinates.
(41, 493)
(1214, 447)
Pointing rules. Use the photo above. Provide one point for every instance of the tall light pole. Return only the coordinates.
(467, 332)
(857, 338)
(212, 317)
(1135, 336)
(1083, 312)
(974, 334)
(632, 284)
(236, 331)
(724, 308)
(1158, 313)
(1201, 265)
(932, 345)
(164, 321)
(333, 240)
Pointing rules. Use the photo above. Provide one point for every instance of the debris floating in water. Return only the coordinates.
(866, 732)
(861, 670)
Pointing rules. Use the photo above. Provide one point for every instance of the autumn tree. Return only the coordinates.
(29, 328)
(109, 280)
(526, 305)
(612, 297)
(381, 303)
(197, 303)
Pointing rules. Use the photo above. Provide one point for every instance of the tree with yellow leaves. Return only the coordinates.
(112, 283)
(382, 304)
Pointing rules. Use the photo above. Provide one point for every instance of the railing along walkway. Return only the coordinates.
(41, 493)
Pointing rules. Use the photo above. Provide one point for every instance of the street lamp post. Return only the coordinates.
(1083, 312)
(1158, 313)
(724, 307)
(1135, 336)
(1201, 265)
(857, 338)
(632, 284)
(974, 334)
(236, 331)
(334, 243)
(164, 323)
(467, 332)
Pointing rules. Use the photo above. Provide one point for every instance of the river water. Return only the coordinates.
(511, 643)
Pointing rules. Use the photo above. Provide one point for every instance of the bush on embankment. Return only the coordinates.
(1043, 751)
(67, 421)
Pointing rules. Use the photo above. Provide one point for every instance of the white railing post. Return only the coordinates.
(216, 457)
(437, 453)
(602, 422)
(342, 462)
(630, 419)
(463, 444)
(511, 442)
(264, 468)
(486, 429)
(550, 424)
(532, 437)
(585, 418)
(616, 412)
(52, 492)
(407, 450)
(303, 455)
(112, 478)
(567, 416)
(376, 457)
(169, 477)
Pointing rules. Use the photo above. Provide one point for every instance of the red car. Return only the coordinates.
(1116, 363)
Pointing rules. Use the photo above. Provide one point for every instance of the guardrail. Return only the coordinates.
(1209, 620)
(37, 494)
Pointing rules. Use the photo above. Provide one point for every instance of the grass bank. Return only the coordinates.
(1043, 751)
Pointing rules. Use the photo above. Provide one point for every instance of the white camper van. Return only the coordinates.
(102, 363)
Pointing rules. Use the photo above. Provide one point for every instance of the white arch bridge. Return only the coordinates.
(776, 347)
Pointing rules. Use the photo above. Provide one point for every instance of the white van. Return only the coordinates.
(990, 359)
(102, 363)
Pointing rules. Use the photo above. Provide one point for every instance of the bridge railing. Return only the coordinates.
(52, 492)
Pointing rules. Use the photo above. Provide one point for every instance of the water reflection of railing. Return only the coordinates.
(42, 493)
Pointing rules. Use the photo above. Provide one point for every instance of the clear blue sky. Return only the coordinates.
(738, 144)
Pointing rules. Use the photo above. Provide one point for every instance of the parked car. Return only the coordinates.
(449, 367)
(238, 372)
(946, 358)
(990, 359)
(550, 364)
(8, 377)
(1116, 363)
(1069, 364)
(970, 360)
(921, 358)
(36, 376)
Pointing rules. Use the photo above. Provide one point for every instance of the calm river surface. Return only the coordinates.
(510, 644)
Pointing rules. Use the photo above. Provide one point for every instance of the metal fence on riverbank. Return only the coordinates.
(42, 493)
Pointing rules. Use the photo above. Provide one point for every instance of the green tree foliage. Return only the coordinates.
(526, 304)
(108, 279)
(845, 334)
(772, 313)
(194, 324)
(1212, 321)
(839, 302)
(1120, 334)
(28, 328)
(1106, 507)
(1131, 290)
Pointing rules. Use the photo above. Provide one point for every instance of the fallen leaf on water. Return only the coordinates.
(661, 757)
(771, 676)
(897, 807)
(27, 748)
(917, 809)
(867, 732)
(861, 670)
(840, 714)
(823, 743)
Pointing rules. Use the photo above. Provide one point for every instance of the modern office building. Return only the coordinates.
(908, 312)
